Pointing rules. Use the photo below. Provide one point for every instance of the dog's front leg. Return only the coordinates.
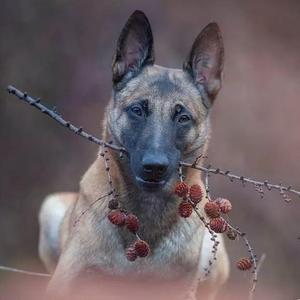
(73, 274)
(64, 278)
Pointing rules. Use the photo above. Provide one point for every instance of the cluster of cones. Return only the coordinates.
(191, 196)
(213, 210)
(121, 218)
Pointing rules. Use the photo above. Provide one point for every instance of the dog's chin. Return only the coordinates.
(150, 186)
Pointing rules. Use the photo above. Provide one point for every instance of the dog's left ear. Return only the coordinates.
(206, 59)
(134, 48)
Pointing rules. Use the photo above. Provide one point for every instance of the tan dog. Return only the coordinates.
(160, 116)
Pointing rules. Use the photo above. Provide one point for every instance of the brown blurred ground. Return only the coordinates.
(29, 289)
(61, 51)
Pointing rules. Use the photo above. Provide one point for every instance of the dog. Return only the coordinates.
(160, 116)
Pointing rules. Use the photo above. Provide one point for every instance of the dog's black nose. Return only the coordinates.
(154, 166)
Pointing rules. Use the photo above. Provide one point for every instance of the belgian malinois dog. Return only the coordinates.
(160, 116)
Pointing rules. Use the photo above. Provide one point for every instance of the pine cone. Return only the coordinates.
(196, 193)
(244, 264)
(224, 204)
(132, 223)
(131, 254)
(212, 210)
(181, 189)
(117, 217)
(142, 248)
(185, 209)
(218, 225)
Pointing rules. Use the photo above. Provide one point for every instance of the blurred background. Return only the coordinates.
(61, 51)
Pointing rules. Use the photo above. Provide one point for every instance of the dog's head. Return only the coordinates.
(160, 115)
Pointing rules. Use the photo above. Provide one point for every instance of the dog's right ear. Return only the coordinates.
(134, 49)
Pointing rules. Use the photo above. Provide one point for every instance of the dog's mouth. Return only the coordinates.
(150, 184)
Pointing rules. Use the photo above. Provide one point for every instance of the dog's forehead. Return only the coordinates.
(165, 81)
(159, 83)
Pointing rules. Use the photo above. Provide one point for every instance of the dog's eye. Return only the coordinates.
(137, 110)
(184, 119)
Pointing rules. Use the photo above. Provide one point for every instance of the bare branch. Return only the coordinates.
(78, 130)
(231, 176)
(252, 256)
(259, 265)
(213, 239)
(54, 115)
(8, 269)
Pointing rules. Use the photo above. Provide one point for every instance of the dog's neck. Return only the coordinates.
(157, 211)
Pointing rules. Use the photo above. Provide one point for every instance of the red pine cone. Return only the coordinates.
(224, 204)
(132, 223)
(244, 264)
(181, 189)
(196, 193)
(218, 225)
(212, 210)
(185, 209)
(117, 217)
(142, 248)
(131, 254)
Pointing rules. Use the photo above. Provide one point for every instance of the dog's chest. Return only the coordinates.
(175, 256)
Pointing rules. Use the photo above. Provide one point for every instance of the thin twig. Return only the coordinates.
(58, 118)
(198, 158)
(180, 173)
(103, 154)
(214, 236)
(251, 253)
(213, 239)
(232, 177)
(89, 207)
(259, 265)
(206, 183)
(8, 269)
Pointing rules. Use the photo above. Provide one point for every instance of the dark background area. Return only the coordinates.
(61, 51)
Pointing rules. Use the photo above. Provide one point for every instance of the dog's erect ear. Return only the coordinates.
(206, 59)
(134, 48)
